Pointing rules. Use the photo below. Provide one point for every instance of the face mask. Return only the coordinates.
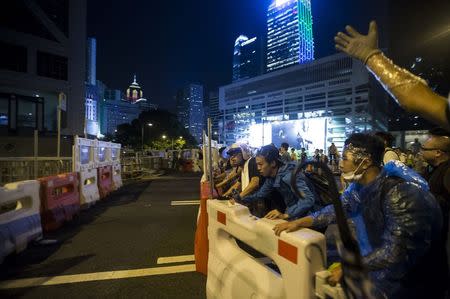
(351, 176)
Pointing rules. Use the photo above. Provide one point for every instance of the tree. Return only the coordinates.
(163, 123)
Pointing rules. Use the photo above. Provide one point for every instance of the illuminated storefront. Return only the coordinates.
(309, 105)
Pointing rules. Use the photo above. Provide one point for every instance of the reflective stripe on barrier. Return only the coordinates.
(233, 273)
(20, 221)
(105, 185)
(88, 187)
(60, 200)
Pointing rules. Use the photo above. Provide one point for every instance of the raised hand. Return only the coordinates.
(357, 45)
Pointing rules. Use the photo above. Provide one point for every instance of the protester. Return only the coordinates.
(332, 151)
(303, 155)
(397, 220)
(278, 178)
(285, 157)
(389, 153)
(323, 158)
(317, 155)
(293, 155)
(436, 152)
(415, 146)
(240, 157)
(410, 91)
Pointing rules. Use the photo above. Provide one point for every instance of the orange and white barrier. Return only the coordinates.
(233, 273)
(20, 221)
(60, 200)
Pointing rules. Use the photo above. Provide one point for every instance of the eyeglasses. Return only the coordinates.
(431, 149)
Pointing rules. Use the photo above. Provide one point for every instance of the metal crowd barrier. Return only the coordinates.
(14, 169)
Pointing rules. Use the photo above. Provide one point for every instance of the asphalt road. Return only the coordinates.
(129, 230)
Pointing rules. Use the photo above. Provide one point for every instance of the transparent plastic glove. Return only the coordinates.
(356, 45)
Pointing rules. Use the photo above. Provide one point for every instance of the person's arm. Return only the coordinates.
(229, 178)
(410, 91)
(236, 186)
(303, 205)
(253, 185)
(263, 192)
(408, 230)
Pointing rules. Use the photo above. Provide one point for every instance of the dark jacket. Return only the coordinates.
(295, 207)
(398, 228)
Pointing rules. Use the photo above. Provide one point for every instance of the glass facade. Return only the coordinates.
(246, 58)
(289, 34)
(190, 109)
(335, 94)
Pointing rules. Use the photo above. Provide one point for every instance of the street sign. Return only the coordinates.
(62, 101)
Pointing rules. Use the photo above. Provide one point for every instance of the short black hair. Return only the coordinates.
(222, 149)
(373, 145)
(292, 149)
(270, 154)
(387, 138)
(285, 145)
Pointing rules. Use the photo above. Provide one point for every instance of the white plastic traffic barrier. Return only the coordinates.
(20, 221)
(114, 159)
(84, 162)
(117, 175)
(233, 273)
(83, 154)
(326, 291)
(89, 193)
(102, 154)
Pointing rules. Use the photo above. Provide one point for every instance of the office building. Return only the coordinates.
(247, 60)
(42, 54)
(117, 109)
(289, 34)
(308, 105)
(190, 109)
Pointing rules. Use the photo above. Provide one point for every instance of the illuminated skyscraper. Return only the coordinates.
(289, 34)
(246, 58)
(190, 109)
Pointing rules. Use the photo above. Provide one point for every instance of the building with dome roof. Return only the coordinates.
(117, 108)
(134, 92)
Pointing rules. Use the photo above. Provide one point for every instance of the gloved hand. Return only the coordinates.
(357, 45)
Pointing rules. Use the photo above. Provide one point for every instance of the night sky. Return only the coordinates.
(171, 43)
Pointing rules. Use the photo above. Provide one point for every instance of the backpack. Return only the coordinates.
(323, 185)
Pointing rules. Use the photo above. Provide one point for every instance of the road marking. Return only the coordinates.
(175, 259)
(184, 202)
(66, 279)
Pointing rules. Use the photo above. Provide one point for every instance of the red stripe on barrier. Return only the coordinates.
(287, 251)
(222, 218)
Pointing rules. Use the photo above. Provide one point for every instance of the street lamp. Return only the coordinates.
(164, 136)
(142, 134)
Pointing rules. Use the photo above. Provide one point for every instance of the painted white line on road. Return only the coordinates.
(184, 202)
(175, 259)
(66, 279)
